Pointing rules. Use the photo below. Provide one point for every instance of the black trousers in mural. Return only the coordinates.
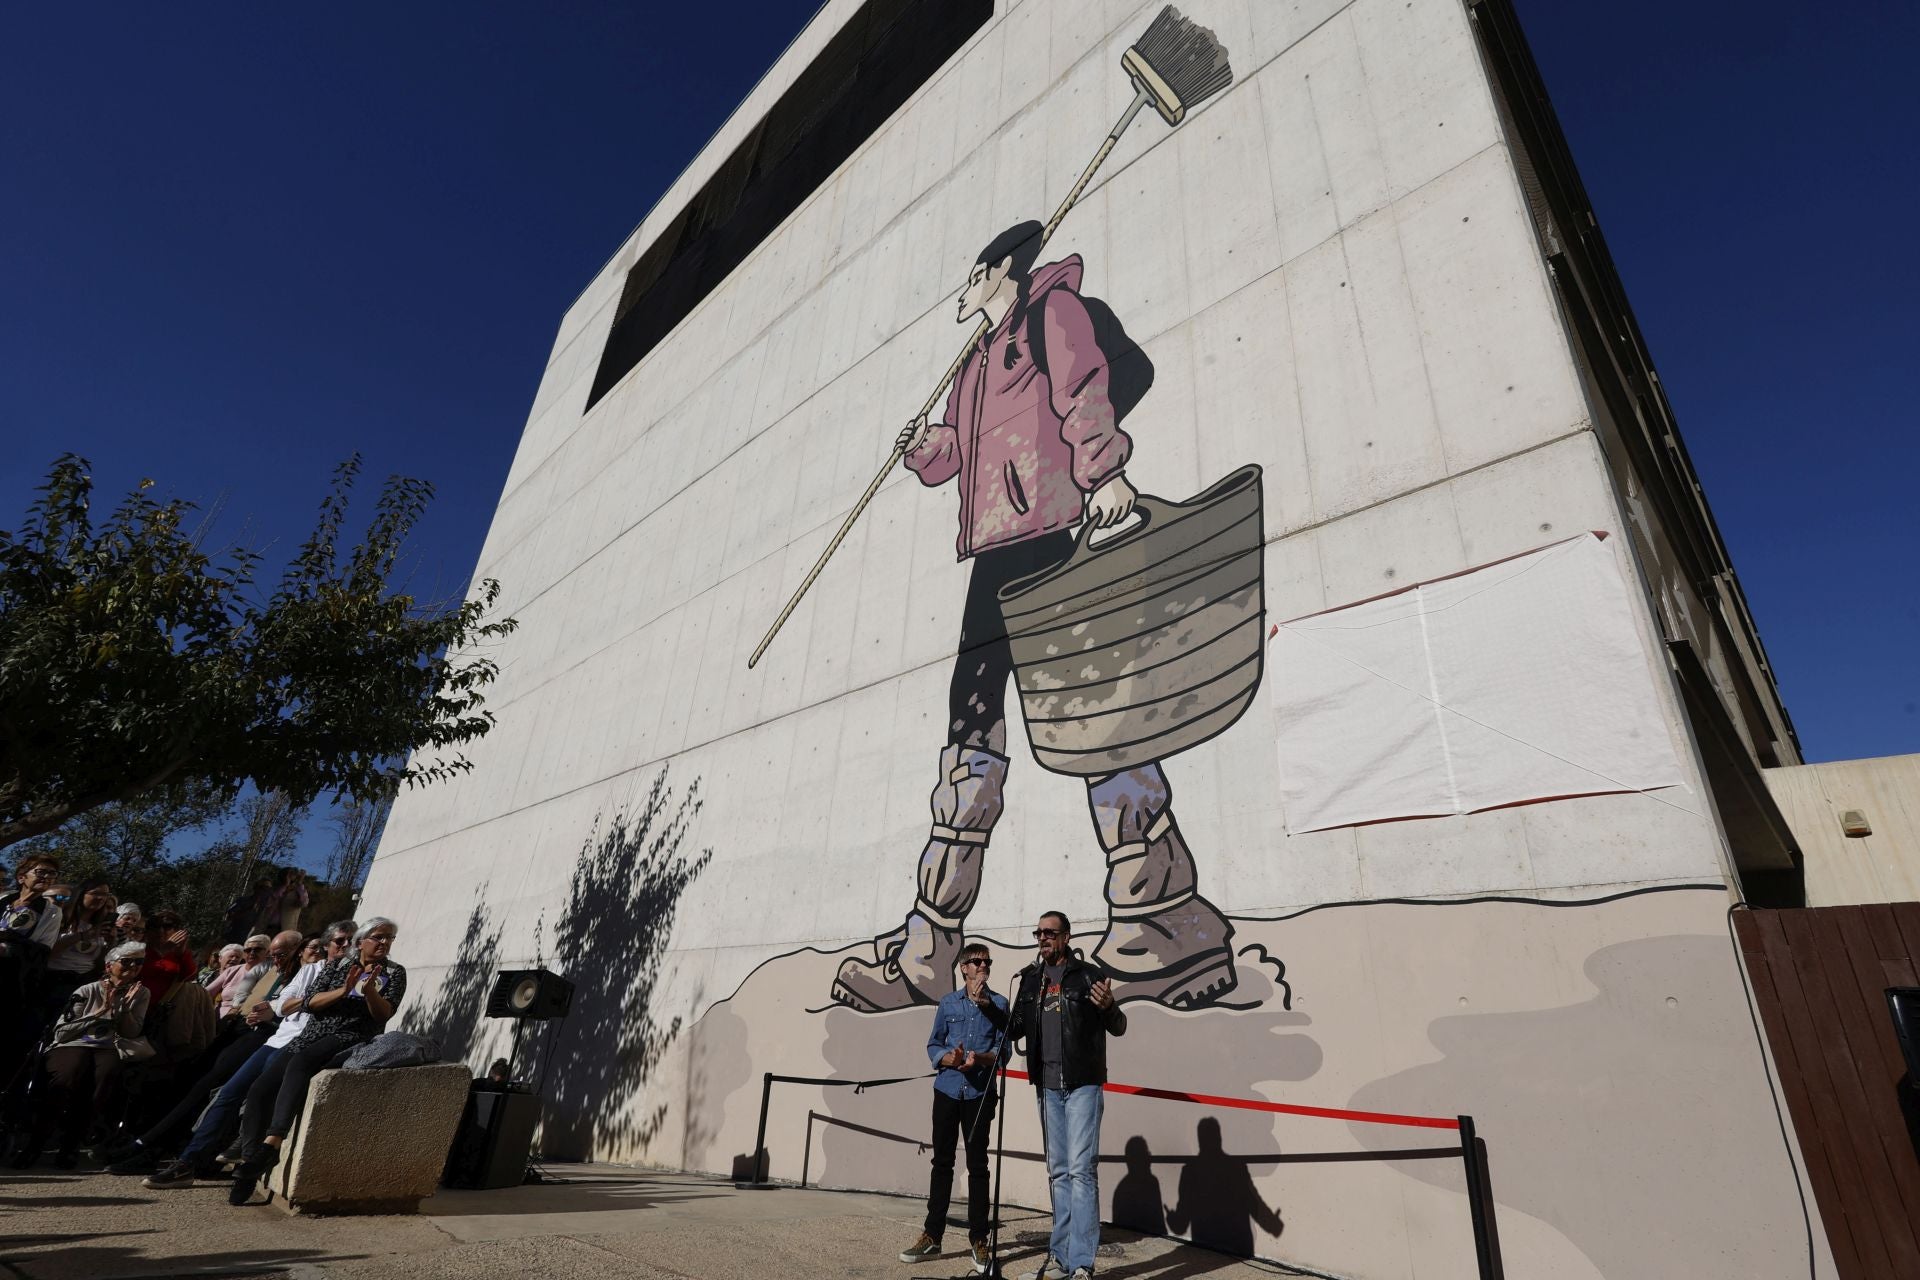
(977, 696)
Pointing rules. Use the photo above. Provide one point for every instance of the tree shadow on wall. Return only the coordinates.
(610, 942)
(452, 1019)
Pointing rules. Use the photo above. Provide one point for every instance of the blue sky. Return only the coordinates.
(240, 242)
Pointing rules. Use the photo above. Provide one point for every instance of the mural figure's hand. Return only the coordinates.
(912, 435)
(1111, 503)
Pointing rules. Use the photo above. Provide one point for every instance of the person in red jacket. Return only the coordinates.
(1031, 438)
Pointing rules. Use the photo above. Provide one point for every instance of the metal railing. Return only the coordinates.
(1471, 1151)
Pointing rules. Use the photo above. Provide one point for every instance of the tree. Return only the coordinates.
(135, 846)
(132, 659)
(127, 843)
(356, 835)
(269, 826)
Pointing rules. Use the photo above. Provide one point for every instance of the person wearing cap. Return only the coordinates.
(85, 1054)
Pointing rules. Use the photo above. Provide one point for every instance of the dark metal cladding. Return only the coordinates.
(1149, 643)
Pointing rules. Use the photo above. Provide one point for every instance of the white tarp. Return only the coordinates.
(1523, 680)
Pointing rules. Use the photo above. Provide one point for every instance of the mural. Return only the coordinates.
(1136, 637)
(1133, 639)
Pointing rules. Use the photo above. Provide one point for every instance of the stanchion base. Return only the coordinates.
(759, 1186)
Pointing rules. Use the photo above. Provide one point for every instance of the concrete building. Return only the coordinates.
(1457, 829)
(1858, 827)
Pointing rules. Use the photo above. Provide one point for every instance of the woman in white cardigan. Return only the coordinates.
(101, 1021)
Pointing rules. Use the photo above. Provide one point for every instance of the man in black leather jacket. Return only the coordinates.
(1064, 1011)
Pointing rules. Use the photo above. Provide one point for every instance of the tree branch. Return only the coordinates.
(41, 821)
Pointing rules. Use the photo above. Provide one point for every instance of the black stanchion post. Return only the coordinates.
(760, 1138)
(1477, 1201)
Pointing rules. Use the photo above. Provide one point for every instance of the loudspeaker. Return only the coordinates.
(529, 993)
(495, 1137)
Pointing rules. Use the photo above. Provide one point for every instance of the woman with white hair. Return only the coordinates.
(101, 1022)
(225, 959)
(348, 1003)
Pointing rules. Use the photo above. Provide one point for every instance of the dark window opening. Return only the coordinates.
(869, 68)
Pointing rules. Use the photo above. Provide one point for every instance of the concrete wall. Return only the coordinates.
(1843, 870)
(1333, 270)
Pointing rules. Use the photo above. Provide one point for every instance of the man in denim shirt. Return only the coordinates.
(967, 1038)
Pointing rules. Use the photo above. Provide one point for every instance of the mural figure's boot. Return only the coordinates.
(914, 964)
(1164, 942)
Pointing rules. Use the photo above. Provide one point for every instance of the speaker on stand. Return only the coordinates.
(494, 1145)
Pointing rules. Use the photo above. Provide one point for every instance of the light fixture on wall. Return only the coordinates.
(1854, 824)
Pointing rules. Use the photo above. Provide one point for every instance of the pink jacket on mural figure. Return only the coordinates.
(1027, 445)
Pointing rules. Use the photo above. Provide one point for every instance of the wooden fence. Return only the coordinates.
(1820, 976)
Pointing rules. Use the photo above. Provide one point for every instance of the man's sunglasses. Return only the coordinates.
(248, 950)
(982, 961)
(131, 964)
(1046, 933)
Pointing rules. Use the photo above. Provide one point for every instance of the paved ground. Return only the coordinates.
(605, 1221)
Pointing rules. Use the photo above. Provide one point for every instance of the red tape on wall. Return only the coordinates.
(1261, 1104)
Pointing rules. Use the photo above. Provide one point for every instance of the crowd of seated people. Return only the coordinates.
(129, 1047)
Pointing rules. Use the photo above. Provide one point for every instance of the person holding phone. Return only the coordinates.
(79, 951)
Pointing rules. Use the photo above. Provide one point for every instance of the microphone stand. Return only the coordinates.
(1000, 1101)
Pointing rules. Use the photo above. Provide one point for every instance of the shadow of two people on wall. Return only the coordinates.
(1217, 1207)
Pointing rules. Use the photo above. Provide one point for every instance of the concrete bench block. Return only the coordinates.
(371, 1141)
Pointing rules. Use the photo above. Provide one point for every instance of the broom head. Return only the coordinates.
(1178, 64)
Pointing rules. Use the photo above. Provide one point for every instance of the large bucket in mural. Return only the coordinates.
(1147, 642)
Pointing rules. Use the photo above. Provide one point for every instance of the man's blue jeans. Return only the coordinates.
(1071, 1121)
(221, 1118)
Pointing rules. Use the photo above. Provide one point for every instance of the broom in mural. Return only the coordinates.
(1174, 66)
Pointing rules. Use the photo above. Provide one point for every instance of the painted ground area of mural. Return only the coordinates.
(1269, 574)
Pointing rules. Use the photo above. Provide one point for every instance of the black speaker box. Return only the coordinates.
(495, 1137)
(529, 993)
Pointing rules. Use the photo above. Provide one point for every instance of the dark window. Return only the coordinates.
(870, 67)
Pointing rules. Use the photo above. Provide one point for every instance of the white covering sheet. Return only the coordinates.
(1524, 680)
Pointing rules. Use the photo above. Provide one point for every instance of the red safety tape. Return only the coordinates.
(1259, 1104)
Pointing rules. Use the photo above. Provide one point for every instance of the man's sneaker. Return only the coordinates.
(136, 1161)
(1081, 1273)
(1051, 1267)
(174, 1173)
(235, 1152)
(981, 1255)
(922, 1249)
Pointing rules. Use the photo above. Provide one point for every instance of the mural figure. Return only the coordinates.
(1032, 437)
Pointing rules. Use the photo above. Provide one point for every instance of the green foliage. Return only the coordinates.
(131, 659)
(135, 846)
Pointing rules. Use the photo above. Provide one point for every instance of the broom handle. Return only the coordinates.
(1140, 99)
